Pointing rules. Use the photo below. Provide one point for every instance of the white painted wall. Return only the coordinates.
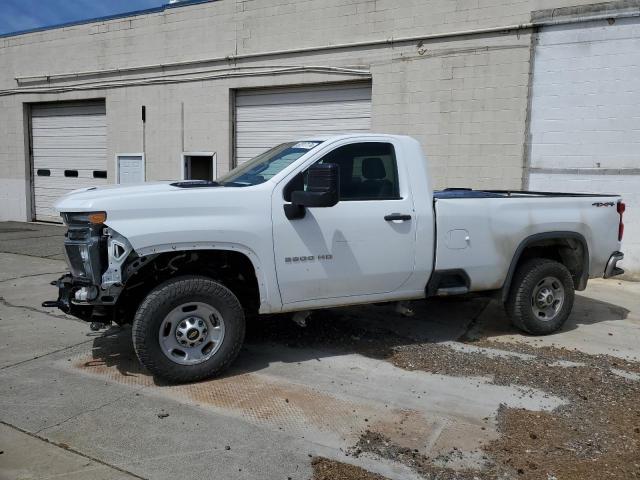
(585, 117)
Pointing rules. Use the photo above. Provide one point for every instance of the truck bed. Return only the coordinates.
(480, 231)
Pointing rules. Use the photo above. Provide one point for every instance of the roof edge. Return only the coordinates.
(115, 16)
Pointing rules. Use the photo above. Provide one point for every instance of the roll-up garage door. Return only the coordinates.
(69, 149)
(268, 117)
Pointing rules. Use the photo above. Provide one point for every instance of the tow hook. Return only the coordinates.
(52, 304)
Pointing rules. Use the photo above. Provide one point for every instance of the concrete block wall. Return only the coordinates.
(463, 97)
(467, 106)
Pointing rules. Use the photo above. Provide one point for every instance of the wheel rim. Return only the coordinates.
(547, 298)
(191, 333)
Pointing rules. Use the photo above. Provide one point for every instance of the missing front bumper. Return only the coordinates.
(67, 287)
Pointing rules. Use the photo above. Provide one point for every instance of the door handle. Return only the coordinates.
(397, 216)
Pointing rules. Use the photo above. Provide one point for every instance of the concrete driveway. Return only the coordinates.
(395, 396)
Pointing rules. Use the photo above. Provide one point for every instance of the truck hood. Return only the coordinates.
(160, 213)
(98, 198)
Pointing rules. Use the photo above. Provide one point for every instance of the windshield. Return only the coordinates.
(266, 165)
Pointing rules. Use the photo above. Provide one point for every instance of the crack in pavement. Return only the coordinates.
(91, 410)
(4, 302)
(45, 354)
(32, 275)
(36, 256)
(72, 450)
(61, 235)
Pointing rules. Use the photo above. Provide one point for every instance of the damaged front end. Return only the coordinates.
(96, 255)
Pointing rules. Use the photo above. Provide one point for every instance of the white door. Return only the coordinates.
(585, 116)
(69, 151)
(348, 249)
(268, 117)
(130, 169)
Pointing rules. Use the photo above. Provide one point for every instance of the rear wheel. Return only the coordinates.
(189, 328)
(541, 296)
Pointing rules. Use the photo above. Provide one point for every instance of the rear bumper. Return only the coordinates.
(611, 270)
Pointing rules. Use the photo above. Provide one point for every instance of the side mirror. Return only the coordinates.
(323, 187)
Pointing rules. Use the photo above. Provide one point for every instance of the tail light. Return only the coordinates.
(621, 208)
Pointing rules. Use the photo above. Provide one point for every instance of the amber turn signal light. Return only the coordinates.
(97, 217)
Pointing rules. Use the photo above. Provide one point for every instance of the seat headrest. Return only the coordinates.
(373, 168)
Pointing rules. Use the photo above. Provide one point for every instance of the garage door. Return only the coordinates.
(585, 117)
(265, 118)
(69, 149)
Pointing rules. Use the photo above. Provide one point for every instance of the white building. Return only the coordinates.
(509, 94)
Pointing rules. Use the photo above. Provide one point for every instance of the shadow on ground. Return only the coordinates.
(373, 331)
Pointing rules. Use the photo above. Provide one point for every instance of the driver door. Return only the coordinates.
(349, 249)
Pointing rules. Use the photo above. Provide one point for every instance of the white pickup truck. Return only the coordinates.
(317, 223)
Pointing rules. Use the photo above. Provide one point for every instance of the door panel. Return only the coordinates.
(348, 249)
(130, 169)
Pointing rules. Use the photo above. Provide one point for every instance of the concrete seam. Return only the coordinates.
(72, 450)
(472, 324)
(5, 367)
(91, 410)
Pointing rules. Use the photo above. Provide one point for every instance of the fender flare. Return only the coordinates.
(555, 235)
(220, 246)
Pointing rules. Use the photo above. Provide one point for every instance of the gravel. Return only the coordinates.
(326, 469)
(595, 435)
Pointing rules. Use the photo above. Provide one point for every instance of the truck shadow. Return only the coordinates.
(373, 331)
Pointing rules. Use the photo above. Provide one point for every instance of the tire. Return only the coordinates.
(538, 285)
(178, 310)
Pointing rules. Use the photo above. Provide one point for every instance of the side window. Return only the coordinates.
(368, 171)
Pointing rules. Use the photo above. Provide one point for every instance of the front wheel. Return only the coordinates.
(541, 296)
(189, 328)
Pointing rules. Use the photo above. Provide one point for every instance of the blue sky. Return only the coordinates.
(16, 15)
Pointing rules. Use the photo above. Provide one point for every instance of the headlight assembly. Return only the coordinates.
(91, 218)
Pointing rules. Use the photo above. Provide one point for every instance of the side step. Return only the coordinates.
(448, 282)
(443, 292)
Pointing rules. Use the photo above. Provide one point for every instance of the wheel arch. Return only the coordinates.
(569, 248)
(222, 248)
